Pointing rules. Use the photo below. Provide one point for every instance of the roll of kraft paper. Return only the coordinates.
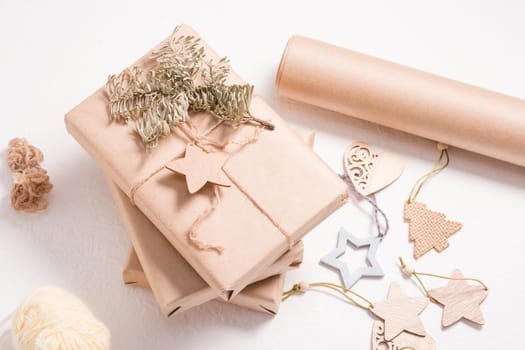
(403, 98)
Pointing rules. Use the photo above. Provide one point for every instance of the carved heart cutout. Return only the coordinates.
(402, 341)
(370, 171)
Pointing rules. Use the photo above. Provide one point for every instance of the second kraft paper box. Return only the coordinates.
(280, 188)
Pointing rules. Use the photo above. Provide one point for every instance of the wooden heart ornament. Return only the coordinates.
(370, 171)
(402, 341)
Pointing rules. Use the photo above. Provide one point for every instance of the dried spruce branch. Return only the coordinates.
(159, 100)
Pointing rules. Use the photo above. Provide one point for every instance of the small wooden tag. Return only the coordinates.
(200, 168)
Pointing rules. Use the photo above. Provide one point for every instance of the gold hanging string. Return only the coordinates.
(441, 164)
(418, 275)
(347, 293)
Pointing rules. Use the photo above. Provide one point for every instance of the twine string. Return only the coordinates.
(193, 138)
(417, 275)
(213, 127)
(139, 184)
(380, 218)
(193, 235)
(442, 162)
(204, 139)
(347, 293)
(199, 141)
(190, 134)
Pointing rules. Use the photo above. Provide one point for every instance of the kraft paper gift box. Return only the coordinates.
(155, 263)
(280, 191)
(174, 286)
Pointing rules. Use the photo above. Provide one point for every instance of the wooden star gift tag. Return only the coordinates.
(428, 229)
(400, 313)
(200, 168)
(460, 300)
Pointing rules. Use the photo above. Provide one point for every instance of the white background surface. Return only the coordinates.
(55, 53)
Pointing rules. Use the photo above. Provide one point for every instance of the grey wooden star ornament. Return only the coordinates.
(345, 239)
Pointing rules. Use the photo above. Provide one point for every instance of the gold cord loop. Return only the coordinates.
(442, 163)
(347, 293)
(418, 275)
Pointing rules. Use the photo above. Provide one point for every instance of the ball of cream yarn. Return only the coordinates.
(53, 319)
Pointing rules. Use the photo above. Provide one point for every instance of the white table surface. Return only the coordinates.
(55, 53)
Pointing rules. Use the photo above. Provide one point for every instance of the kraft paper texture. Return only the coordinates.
(403, 98)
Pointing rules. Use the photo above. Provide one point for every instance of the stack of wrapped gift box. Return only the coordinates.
(278, 191)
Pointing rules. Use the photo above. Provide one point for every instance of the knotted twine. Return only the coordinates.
(30, 180)
(202, 141)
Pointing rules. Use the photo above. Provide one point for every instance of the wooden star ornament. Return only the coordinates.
(400, 313)
(460, 300)
(201, 167)
(428, 229)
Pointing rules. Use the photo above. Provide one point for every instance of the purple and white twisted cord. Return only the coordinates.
(382, 230)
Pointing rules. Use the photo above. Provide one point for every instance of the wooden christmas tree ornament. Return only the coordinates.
(428, 229)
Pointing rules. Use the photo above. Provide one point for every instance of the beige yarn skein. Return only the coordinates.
(53, 319)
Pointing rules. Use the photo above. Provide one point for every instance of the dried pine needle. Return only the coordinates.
(159, 100)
